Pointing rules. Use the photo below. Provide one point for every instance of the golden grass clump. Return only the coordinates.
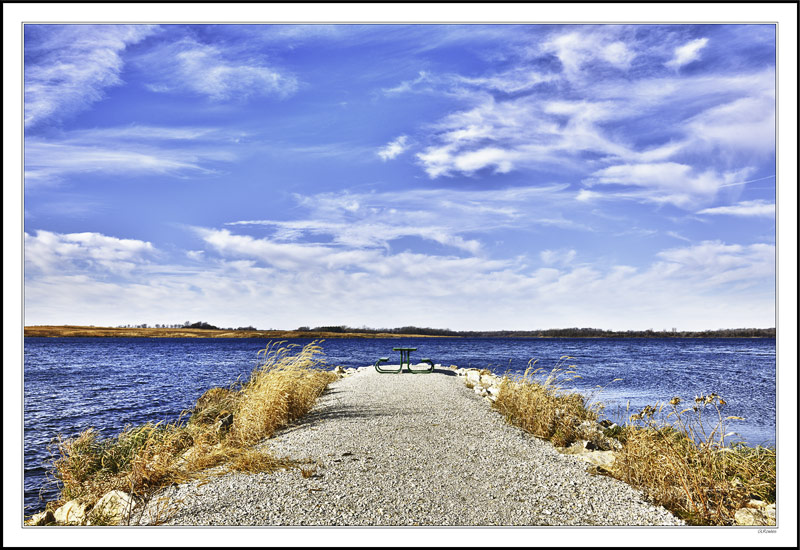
(283, 388)
(541, 406)
(679, 457)
(221, 429)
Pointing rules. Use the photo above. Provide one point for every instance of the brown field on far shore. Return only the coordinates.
(84, 331)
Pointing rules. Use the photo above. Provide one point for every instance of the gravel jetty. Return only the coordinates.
(406, 450)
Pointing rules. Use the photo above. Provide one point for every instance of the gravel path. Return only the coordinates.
(413, 450)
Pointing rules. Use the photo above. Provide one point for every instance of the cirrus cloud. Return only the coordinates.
(70, 67)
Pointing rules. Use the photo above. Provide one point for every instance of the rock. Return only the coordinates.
(583, 450)
(494, 391)
(588, 427)
(42, 518)
(71, 513)
(339, 370)
(604, 459)
(488, 380)
(752, 516)
(474, 376)
(224, 423)
(578, 447)
(112, 508)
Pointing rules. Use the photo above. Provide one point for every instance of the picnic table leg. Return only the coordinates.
(405, 359)
(385, 371)
(426, 370)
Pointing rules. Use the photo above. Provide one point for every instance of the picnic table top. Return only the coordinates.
(404, 349)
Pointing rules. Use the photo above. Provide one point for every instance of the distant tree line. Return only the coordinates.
(546, 333)
(554, 333)
(188, 324)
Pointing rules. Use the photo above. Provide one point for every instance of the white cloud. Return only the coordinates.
(125, 150)
(514, 80)
(409, 85)
(518, 79)
(377, 224)
(700, 286)
(713, 263)
(506, 135)
(394, 148)
(68, 67)
(666, 182)
(368, 232)
(213, 72)
(48, 253)
(560, 257)
(618, 54)
(746, 124)
(687, 53)
(754, 208)
(576, 49)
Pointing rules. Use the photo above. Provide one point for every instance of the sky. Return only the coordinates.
(470, 177)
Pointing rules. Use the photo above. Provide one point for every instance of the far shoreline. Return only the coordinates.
(82, 331)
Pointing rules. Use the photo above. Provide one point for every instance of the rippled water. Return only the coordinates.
(107, 383)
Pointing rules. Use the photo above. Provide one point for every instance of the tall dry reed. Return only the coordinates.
(682, 458)
(539, 404)
(222, 429)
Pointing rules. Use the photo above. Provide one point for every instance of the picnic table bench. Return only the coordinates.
(405, 359)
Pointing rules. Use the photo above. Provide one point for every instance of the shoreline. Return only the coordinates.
(374, 447)
(77, 331)
(83, 331)
(440, 409)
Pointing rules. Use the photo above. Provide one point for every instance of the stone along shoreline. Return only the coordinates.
(407, 450)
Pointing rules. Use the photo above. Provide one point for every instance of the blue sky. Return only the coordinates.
(454, 176)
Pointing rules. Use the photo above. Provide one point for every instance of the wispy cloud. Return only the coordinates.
(514, 80)
(68, 67)
(560, 257)
(575, 49)
(747, 209)
(126, 150)
(212, 71)
(48, 253)
(461, 222)
(687, 53)
(745, 125)
(394, 148)
(712, 263)
(667, 182)
(707, 281)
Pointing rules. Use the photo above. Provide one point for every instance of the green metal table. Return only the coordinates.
(405, 359)
(405, 356)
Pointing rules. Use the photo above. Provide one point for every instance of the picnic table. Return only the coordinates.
(405, 359)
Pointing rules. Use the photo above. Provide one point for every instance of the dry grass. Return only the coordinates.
(142, 460)
(538, 404)
(679, 456)
(61, 331)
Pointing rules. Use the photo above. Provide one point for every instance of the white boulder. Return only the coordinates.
(112, 508)
(71, 513)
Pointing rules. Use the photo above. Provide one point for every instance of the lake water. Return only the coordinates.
(71, 384)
